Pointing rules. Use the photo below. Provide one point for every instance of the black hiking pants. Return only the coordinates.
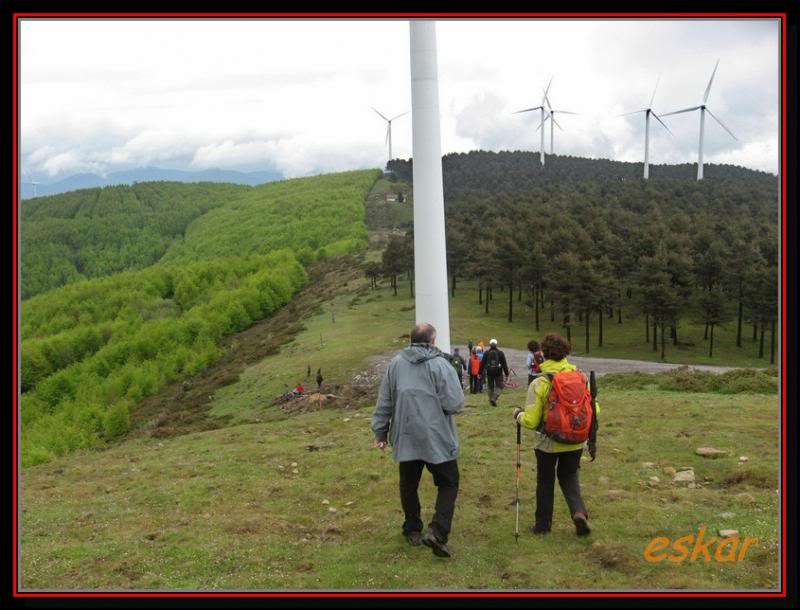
(445, 477)
(564, 466)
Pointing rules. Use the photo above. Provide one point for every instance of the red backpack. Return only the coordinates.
(569, 408)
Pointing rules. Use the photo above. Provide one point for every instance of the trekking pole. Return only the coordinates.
(519, 466)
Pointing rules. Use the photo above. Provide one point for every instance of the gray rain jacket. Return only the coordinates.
(419, 395)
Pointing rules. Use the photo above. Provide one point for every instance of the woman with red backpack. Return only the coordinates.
(475, 385)
(559, 407)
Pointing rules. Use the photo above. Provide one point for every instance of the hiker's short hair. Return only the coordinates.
(555, 347)
(533, 346)
(423, 333)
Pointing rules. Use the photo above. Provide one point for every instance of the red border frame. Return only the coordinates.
(400, 15)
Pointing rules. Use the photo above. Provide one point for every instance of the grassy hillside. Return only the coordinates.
(252, 507)
(323, 215)
(91, 350)
(98, 232)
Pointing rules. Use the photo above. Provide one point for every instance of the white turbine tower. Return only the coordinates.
(647, 112)
(703, 109)
(389, 129)
(551, 116)
(542, 110)
(35, 184)
(430, 250)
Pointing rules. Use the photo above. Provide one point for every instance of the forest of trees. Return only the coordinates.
(92, 349)
(583, 245)
(97, 232)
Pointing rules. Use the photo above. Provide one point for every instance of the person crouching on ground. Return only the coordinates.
(418, 398)
(553, 459)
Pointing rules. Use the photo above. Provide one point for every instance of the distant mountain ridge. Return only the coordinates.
(148, 174)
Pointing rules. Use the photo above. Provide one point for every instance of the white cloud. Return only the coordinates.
(296, 94)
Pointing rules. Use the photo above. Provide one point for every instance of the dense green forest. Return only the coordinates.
(582, 240)
(91, 349)
(327, 218)
(96, 232)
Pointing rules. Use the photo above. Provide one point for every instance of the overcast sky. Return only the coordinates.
(295, 96)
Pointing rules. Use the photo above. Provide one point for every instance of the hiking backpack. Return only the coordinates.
(569, 408)
(492, 366)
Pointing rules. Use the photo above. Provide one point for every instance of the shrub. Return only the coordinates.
(117, 420)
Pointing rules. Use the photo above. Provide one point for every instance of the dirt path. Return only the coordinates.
(516, 360)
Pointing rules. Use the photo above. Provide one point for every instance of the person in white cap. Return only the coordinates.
(496, 369)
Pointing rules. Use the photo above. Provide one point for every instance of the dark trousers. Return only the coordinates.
(495, 383)
(563, 466)
(445, 477)
(475, 385)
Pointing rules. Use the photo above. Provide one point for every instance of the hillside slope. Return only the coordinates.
(98, 232)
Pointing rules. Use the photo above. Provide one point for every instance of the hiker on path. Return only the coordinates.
(534, 359)
(319, 380)
(494, 366)
(553, 459)
(474, 372)
(459, 364)
(417, 401)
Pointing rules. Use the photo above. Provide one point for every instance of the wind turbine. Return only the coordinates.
(703, 109)
(541, 108)
(35, 184)
(389, 129)
(647, 112)
(553, 119)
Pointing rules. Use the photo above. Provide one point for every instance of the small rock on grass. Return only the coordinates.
(728, 533)
(349, 503)
(648, 464)
(295, 471)
(743, 458)
(326, 501)
(709, 452)
(745, 498)
(332, 509)
(669, 471)
(294, 464)
(684, 476)
(727, 515)
(603, 480)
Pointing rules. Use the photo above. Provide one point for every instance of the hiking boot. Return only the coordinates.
(493, 403)
(581, 524)
(439, 548)
(540, 529)
(414, 538)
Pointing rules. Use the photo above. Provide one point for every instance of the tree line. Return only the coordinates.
(584, 251)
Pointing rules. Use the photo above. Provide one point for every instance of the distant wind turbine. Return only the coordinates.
(647, 112)
(389, 129)
(703, 109)
(35, 184)
(553, 121)
(542, 110)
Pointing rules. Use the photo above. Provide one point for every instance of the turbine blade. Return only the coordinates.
(556, 122)
(680, 111)
(710, 80)
(662, 122)
(634, 112)
(379, 114)
(564, 111)
(654, 93)
(547, 89)
(527, 110)
(547, 99)
(388, 130)
(399, 115)
(721, 124)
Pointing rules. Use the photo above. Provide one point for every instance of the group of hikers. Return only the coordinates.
(484, 367)
(420, 395)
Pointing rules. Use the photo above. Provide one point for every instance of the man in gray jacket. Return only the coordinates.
(418, 397)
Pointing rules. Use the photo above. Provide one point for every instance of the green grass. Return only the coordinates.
(223, 509)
